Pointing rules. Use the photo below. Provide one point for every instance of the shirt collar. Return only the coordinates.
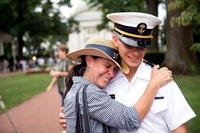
(80, 79)
(143, 71)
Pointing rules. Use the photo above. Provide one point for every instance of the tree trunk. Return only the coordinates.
(179, 39)
(20, 46)
(152, 8)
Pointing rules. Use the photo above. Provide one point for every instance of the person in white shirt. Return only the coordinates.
(170, 110)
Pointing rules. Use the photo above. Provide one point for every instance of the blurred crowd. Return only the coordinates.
(27, 64)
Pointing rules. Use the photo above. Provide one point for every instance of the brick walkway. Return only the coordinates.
(37, 115)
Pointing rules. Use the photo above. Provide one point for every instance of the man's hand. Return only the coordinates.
(62, 120)
(55, 73)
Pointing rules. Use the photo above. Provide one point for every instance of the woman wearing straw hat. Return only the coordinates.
(99, 63)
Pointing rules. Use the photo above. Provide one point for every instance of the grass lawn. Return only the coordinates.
(16, 89)
(190, 87)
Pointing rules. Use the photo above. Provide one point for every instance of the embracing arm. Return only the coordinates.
(110, 112)
(159, 77)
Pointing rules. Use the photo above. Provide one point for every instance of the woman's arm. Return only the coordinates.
(109, 111)
(159, 77)
(181, 129)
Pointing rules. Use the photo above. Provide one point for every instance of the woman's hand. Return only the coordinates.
(160, 76)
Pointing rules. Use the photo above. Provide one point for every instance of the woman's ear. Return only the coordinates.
(89, 60)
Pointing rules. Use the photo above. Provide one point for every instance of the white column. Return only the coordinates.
(1, 48)
(14, 55)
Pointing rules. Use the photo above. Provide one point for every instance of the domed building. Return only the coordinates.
(88, 19)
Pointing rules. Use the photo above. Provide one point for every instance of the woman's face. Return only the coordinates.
(100, 70)
(131, 56)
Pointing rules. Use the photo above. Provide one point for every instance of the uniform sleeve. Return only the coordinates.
(179, 111)
(111, 112)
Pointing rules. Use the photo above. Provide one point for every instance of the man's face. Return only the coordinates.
(60, 53)
(132, 56)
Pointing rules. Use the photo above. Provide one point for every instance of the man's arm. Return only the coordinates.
(62, 120)
(64, 74)
(181, 129)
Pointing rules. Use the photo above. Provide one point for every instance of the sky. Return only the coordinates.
(162, 12)
(66, 11)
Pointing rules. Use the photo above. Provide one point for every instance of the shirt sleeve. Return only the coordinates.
(111, 112)
(179, 111)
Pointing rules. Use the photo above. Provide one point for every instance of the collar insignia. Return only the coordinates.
(115, 56)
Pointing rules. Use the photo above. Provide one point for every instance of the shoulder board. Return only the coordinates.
(148, 63)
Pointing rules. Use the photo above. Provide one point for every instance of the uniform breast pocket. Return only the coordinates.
(159, 104)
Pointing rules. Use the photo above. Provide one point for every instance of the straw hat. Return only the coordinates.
(134, 28)
(102, 48)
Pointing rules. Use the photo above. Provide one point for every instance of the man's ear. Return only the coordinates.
(115, 39)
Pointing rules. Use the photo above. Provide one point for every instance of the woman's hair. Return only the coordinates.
(77, 70)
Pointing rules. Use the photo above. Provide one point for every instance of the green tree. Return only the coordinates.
(32, 21)
(110, 6)
(181, 14)
(150, 6)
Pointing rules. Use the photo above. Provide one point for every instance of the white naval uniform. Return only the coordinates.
(166, 113)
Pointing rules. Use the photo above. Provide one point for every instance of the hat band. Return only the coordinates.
(132, 35)
(112, 53)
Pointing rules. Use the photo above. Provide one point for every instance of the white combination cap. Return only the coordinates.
(134, 28)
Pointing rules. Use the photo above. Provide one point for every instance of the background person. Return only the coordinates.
(61, 70)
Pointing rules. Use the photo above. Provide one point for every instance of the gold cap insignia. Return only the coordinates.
(141, 28)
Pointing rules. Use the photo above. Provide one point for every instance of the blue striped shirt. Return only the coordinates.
(102, 109)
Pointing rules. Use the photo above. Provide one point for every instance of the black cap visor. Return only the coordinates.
(135, 42)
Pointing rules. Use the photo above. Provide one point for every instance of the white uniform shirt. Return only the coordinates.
(168, 111)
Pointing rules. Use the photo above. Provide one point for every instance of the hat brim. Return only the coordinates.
(75, 56)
